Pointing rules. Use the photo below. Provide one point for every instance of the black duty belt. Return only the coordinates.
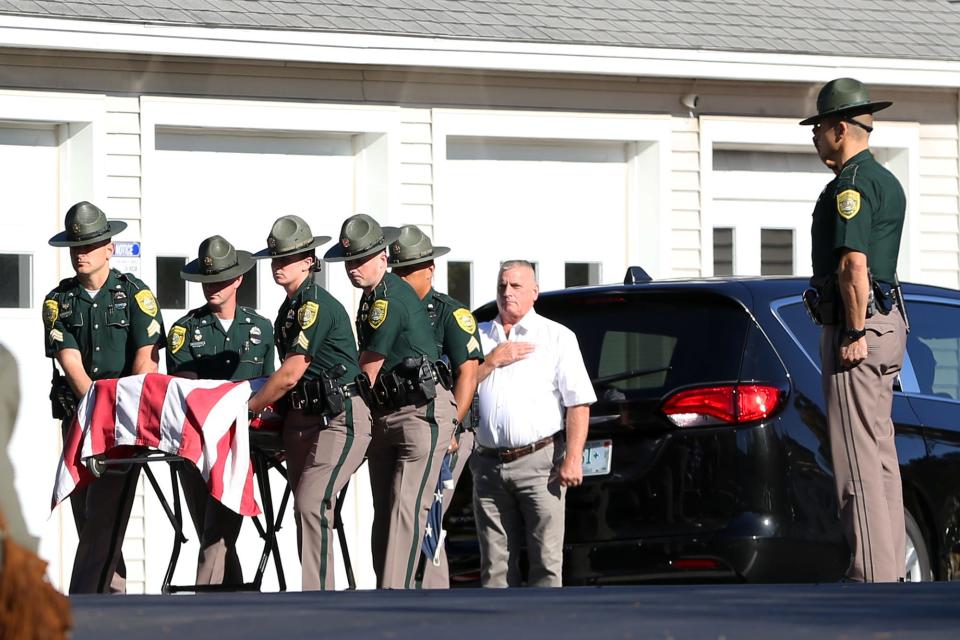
(321, 396)
(412, 382)
(510, 454)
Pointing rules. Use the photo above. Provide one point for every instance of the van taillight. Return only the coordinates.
(722, 404)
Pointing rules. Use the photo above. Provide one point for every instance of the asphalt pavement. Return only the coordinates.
(721, 612)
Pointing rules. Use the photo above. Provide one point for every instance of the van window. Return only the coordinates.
(933, 346)
(642, 345)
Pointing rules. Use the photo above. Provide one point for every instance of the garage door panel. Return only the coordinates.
(30, 187)
(204, 179)
(545, 201)
(761, 208)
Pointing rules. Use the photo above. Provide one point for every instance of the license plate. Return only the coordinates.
(596, 457)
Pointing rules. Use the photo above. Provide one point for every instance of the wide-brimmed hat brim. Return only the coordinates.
(62, 239)
(192, 272)
(264, 254)
(437, 252)
(854, 110)
(336, 253)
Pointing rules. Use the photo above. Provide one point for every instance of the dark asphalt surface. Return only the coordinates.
(721, 612)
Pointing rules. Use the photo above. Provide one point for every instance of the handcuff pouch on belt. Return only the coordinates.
(321, 396)
(413, 381)
(63, 403)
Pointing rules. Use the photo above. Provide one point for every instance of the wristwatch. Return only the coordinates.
(854, 334)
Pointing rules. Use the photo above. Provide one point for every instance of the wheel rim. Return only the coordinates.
(913, 570)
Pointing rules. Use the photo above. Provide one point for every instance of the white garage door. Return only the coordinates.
(560, 204)
(236, 184)
(761, 208)
(28, 269)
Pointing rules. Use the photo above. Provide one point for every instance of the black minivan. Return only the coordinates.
(707, 458)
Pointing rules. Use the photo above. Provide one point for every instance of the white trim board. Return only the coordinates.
(369, 49)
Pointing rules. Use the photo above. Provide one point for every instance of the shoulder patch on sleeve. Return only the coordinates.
(465, 320)
(307, 314)
(177, 338)
(146, 302)
(378, 313)
(51, 311)
(848, 203)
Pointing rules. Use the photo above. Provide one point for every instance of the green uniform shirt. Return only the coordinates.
(197, 343)
(315, 324)
(862, 209)
(454, 328)
(393, 322)
(107, 329)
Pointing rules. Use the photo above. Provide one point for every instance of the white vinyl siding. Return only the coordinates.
(685, 198)
(939, 211)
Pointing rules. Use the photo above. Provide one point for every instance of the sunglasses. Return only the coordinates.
(819, 125)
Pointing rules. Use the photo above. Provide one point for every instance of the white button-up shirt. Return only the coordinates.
(523, 402)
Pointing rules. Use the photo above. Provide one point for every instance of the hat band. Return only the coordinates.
(423, 254)
(367, 248)
(211, 271)
(301, 245)
(89, 235)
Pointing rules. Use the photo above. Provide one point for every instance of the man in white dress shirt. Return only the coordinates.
(532, 379)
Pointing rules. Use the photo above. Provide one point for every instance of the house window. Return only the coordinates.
(15, 280)
(171, 288)
(577, 274)
(247, 293)
(776, 252)
(723, 251)
(459, 276)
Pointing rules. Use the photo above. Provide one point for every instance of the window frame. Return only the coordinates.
(909, 386)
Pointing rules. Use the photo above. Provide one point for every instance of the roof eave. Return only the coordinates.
(413, 51)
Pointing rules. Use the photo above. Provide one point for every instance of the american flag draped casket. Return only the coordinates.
(202, 421)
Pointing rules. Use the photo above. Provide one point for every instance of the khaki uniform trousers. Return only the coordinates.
(217, 530)
(320, 461)
(516, 502)
(438, 576)
(405, 456)
(862, 445)
(93, 548)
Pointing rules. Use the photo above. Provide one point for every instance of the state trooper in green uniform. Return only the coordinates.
(98, 324)
(458, 340)
(857, 224)
(219, 341)
(413, 422)
(326, 426)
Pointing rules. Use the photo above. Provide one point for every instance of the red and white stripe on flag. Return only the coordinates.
(202, 421)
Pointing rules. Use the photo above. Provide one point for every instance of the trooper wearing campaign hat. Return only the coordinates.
(326, 426)
(413, 422)
(455, 331)
(220, 340)
(856, 230)
(98, 324)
